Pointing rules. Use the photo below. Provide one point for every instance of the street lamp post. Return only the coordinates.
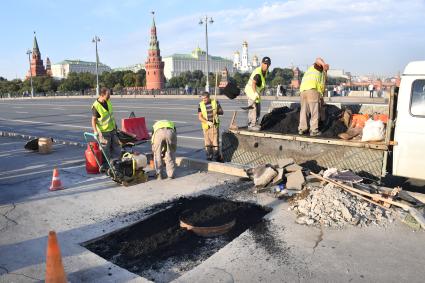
(95, 40)
(201, 22)
(29, 61)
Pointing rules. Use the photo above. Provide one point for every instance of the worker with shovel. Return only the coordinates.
(164, 145)
(312, 87)
(208, 112)
(104, 126)
(253, 90)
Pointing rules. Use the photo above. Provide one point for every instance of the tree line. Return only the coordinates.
(74, 82)
(120, 79)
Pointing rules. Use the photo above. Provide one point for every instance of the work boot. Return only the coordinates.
(216, 156)
(301, 132)
(104, 168)
(315, 133)
(209, 156)
(254, 128)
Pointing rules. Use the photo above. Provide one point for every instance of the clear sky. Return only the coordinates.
(364, 36)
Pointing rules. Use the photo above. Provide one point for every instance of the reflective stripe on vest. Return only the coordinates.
(204, 113)
(106, 121)
(313, 79)
(161, 124)
(248, 88)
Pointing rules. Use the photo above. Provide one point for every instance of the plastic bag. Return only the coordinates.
(373, 131)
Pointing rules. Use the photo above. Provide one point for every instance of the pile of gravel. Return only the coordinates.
(332, 207)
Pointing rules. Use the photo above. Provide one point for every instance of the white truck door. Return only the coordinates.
(409, 153)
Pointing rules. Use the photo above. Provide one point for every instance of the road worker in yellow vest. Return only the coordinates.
(208, 112)
(164, 146)
(253, 90)
(311, 92)
(104, 126)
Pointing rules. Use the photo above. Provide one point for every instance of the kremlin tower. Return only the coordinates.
(48, 67)
(37, 68)
(154, 65)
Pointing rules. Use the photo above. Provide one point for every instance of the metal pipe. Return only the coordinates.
(29, 61)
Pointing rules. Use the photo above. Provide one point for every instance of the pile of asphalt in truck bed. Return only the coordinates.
(285, 120)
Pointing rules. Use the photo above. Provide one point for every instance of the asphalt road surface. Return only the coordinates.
(69, 118)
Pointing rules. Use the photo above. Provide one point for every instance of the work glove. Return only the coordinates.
(257, 97)
(210, 124)
(101, 139)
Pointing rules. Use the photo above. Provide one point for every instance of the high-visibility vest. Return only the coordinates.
(204, 113)
(106, 121)
(313, 79)
(248, 88)
(160, 125)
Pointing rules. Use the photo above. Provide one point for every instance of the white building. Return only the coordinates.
(134, 68)
(176, 64)
(338, 73)
(242, 63)
(62, 69)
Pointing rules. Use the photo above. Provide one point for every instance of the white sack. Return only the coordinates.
(373, 131)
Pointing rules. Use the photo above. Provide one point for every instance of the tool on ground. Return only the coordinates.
(56, 182)
(55, 273)
(126, 170)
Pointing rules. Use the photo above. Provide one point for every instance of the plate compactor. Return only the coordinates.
(129, 168)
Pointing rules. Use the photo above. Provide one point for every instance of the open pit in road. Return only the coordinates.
(158, 249)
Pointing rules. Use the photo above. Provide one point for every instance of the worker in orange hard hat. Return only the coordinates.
(311, 92)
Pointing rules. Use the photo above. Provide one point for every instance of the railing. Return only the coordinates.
(269, 91)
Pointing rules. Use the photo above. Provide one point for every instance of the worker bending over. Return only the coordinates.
(164, 145)
(312, 88)
(208, 112)
(104, 126)
(253, 90)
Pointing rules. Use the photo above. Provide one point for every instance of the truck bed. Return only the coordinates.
(367, 159)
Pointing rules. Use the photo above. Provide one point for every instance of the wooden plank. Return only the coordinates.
(377, 197)
(225, 168)
(373, 196)
(371, 145)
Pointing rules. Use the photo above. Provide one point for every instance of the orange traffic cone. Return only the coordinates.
(56, 182)
(54, 267)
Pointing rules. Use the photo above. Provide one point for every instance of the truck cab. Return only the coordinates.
(409, 132)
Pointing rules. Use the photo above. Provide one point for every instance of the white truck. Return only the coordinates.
(402, 153)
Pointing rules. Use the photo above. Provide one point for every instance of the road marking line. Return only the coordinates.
(115, 106)
(21, 112)
(178, 122)
(78, 115)
(187, 137)
(45, 123)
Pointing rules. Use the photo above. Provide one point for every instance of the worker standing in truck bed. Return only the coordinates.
(311, 93)
(253, 90)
